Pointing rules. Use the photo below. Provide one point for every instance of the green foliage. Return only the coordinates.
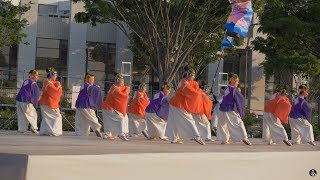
(7, 119)
(253, 125)
(6, 113)
(164, 34)
(316, 131)
(10, 24)
(68, 119)
(64, 103)
(7, 100)
(10, 83)
(292, 44)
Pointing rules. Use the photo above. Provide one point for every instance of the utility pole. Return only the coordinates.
(87, 64)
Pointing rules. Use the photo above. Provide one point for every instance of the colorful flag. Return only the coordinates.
(227, 42)
(240, 18)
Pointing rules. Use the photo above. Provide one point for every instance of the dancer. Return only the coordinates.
(136, 112)
(300, 119)
(186, 101)
(276, 112)
(203, 120)
(157, 114)
(230, 125)
(114, 110)
(26, 102)
(51, 124)
(88, 100)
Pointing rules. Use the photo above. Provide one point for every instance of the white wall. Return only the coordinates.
(27, 53)
(77, 48)
(180, 166)
(258, 80)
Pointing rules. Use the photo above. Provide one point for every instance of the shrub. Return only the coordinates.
(253, 125)
(7, 100)
(316, 131)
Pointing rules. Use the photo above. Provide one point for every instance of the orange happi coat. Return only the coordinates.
(280, 107)
(139, 104)
(51, 94)
(188, 96)
(207, 106)
(117, 99)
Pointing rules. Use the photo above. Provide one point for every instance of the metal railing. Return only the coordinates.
(7, 122)
(10, 91)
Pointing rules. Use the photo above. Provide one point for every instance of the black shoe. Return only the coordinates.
(199, 140)
(312, 143)
(145, 134)
(122, 137)
(287, 142)
(98, 133)
(247, 142)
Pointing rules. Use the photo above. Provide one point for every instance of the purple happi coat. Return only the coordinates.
(160, 106)
(90, 96)
(232, 100)
(301, 109)
(163, 111)
(29, 92)
(154, 104)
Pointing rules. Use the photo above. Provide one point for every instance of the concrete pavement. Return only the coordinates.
(69, 144)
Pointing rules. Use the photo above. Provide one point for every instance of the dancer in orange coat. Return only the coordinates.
(51, 124)
(276, 112)
(187, 100)
(202, 120)
(136, 112)
(114, 110)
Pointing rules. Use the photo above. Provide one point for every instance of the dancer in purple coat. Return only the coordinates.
(26, 101)
(230, 124)
(157, 114)
(88, 100)
(300, 119)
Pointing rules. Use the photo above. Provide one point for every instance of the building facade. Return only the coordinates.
(55, 39)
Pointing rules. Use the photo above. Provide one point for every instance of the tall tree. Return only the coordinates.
(292, 42)
(164, 33)
(11, 24)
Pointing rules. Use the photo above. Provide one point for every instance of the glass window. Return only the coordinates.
(52, 53)
(127, 80)
(4, 56)
(126, 68)
(8, 66)
(46, 9)
(101, 62)
(62, 10)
